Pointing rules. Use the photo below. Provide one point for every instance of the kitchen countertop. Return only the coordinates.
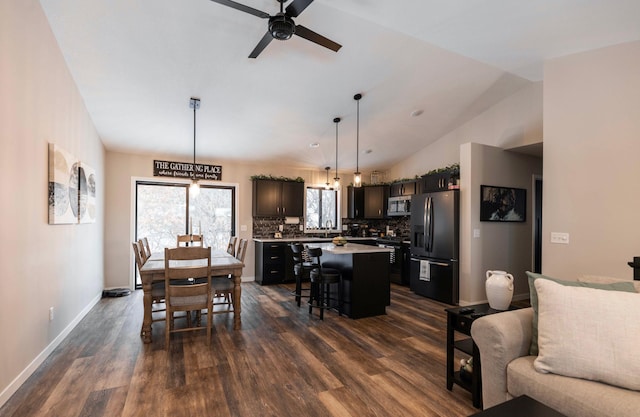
(349, 248)
(309, 239)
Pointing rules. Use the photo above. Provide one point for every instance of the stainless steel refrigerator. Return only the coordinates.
(435, 245)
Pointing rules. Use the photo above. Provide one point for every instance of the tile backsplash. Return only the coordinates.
(266, 227)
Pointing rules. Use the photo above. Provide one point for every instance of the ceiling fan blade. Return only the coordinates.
(297, 7)
(243, 8)
(261, 45)
(310, 35)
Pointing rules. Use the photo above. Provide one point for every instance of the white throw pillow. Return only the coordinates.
(589, 333)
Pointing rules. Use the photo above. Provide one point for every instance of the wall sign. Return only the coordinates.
(187, 170)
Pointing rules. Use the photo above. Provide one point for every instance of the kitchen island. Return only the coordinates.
(365, 275)
(274, 260)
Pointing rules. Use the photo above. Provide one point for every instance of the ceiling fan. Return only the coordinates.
(281, 25)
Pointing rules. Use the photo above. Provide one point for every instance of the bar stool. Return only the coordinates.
(321, 281)
(301, 270)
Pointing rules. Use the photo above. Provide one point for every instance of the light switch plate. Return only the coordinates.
(557, 237)
(476, 232)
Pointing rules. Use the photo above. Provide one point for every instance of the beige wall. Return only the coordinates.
(499, 246)
(121, 168)
(591, 162)
(515, 121)
(41, 265)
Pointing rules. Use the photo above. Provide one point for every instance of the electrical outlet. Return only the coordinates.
(301, 228)
(50, 313)
(243, 227)
(476, 233)
(281, 227)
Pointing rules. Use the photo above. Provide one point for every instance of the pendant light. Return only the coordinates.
(194, 189)
(336, 179)
(327, 185)
(357, 176)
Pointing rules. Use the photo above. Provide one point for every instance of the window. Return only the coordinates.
(322, 209)
(165, 210)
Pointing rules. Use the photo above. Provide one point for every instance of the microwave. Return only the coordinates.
(399, 206)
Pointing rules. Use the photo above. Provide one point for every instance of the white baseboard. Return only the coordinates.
(31, 368)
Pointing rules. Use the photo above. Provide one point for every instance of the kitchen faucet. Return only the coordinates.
(328, 224)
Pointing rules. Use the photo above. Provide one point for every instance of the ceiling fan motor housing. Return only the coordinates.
(281, 27)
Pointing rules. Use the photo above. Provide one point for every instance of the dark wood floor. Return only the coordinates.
(282, 363)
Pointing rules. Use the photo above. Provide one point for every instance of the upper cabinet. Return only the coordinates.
(375, 201)
(404, 188)
(275, 198)
(355, 202)
(435, 182)
(441, 179)
(368, 202)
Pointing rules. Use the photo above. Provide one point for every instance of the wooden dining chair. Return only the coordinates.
(197, 240)
(147, 248)
(143, 251)
(242, 249)
(190, 240)
(183, 240)
(223, 285)
(157, 288)
(231, 247)
(187, 297)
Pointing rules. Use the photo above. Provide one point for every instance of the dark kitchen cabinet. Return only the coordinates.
(435, 182)
(403, 188)
(273, 198)
(355, 202)
(375, 201)
(273, 262)
(368, 202)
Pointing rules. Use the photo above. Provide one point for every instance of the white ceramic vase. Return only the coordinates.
(499, 288)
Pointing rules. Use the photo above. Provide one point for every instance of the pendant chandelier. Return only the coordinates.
(327, 185)
(357, 176)
(336, 179)
(194, 189)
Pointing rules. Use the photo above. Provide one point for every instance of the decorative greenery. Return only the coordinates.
(274, 178)
(453, 170)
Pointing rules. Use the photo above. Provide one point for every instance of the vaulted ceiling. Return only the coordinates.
(137, 63)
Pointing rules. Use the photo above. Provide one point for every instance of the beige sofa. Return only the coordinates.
(508, 370)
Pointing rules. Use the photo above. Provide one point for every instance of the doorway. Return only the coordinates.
(537, 224)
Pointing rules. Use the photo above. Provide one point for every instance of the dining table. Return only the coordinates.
(222, 264)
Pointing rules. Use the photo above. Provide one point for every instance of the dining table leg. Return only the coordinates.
(237, 294)
(146, 320)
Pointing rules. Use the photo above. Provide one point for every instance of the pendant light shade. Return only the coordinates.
(194, 188)
(357, 176)
(327, 185)
(336, 179)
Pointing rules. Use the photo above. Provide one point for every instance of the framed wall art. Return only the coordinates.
(502, 204)
(63, 192)
(72, 188)
(86, 194)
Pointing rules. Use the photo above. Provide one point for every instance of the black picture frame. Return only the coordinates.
(502, 204)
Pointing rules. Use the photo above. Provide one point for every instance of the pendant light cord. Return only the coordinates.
(357, 134)
(194, 140)
(336, 121)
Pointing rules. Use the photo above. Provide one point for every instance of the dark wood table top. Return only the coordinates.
(523, 406)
